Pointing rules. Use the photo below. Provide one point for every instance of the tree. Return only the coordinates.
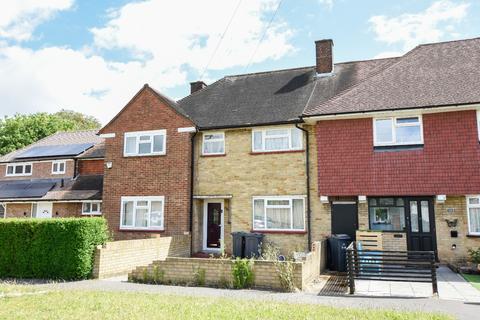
(22, 130)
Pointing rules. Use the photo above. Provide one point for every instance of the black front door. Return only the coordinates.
(214, 224)
(344, 218)
(420, 225)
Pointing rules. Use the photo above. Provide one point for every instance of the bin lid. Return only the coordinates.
(341, 236)
(254, 235)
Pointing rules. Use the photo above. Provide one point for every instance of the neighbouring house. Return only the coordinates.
(58, 176)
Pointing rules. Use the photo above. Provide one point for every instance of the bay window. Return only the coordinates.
(145, 143)
(473, 207)
(279, 213)
(143, 213)
(213, 143)
(277, 139)
(398, 131)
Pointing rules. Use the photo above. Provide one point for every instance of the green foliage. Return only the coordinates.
(22, 130)
(285, 271)
(242, 272)
(50, 248)
(474, 255)
(158, 275)
(199, 277)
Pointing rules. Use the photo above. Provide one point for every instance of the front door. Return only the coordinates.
(214, 225)
(420, 225)
(344, 218)
(43, 210)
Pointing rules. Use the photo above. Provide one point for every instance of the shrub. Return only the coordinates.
(242, 272)
(474, 255)
(199, 276)
(50, 249)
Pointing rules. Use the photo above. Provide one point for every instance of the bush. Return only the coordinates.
(474, 255)
(50, 249)
(242, 272)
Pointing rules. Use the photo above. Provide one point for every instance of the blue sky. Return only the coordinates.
(92, 56)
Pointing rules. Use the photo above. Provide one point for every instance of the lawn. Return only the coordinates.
(474, 279)
(12, 287)
(126, 305)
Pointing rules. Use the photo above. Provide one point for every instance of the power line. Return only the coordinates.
(263, 35)
(221, 39)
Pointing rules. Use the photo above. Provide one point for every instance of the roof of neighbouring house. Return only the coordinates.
(68, 144)
(430, 75)
(271, 97)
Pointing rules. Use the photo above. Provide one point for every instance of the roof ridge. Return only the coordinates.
(369, 60)
(447, 41)
(269, 71)
(203, 89)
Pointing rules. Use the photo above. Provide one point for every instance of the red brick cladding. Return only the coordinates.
(167, 175)
(90, 167)
(449, 162)
(40, 169)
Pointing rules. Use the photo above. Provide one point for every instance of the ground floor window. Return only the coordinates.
(279, 213)
(144, 213)
(2, 210)
(473, 205)
(387, 214)
(92, 207)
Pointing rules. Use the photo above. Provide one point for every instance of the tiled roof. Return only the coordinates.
(431, 75)
(62, 138)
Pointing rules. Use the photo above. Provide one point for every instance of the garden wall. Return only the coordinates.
(121, 257)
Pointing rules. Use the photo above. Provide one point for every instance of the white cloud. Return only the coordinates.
(19, 18)
(166, 40)
(408, 30)
(327, 3)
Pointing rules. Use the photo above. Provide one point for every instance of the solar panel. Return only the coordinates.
(25, 189)
(55, 151)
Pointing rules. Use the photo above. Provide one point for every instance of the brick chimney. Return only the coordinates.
(197, 85)
(324, 56)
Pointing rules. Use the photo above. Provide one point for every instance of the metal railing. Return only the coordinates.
(381, 265)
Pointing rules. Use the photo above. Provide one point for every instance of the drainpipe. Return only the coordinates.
(307, 169)
(192, 167)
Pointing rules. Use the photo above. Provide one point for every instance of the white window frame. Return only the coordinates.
(290, 206)
(58, 163)
(92, 213)
(289, 135)
(468, 212)
(478, 124)
(14, 165)
(135, 200)
(137, 135)
(214, 140)
(395, 125)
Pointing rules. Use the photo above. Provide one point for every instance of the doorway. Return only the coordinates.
(213, 226)
(344, 218)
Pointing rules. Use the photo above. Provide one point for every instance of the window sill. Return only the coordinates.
(140, 230)
(91, 214)
(473, 235)
(407, 147)
(255, 153)
(280, 231)
(213, 155)
(145, 155)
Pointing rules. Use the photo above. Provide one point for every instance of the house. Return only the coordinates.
(58, 176)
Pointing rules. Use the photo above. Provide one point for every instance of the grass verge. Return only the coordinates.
(474, 279)
(132, 306)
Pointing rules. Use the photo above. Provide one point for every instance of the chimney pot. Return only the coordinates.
(324, 56)
(196, 86)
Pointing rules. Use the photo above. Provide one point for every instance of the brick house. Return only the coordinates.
(58, 176)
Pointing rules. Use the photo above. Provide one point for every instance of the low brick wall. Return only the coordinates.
(121, 257)
(218, 272)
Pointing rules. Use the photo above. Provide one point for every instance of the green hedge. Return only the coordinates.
(50, 248)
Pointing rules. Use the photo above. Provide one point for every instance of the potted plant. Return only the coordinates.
(475, 257)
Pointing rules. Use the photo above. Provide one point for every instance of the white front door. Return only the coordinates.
(44, 210)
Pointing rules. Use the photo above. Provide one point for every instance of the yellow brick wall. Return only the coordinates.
(243, 175)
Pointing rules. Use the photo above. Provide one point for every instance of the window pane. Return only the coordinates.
(278, 202)
(144, 138)
(19, 169)
(131, 145)
(86, 207)
(278, 218)
(276, 132)
(28, 168)
(55, 167)
(145, 148)
(10, 169)
(95, 207)
(62, 167)
(474, 200)
(156, 214)
(34, 210)
(141, 218)
(414, 216)
(211, 147)
(373, 202)
(408, 134)
(257, 140)
(385, 202)
(296, 138)
(425, 216)
(383, 130)
(276, 143)
(127, 213)
(400, 202)
(298, 214)
(387, 218)
(142, 203)
(213, 136)
(258, 214)
(474, 216)
(410, 120)
(158, 143)
(2, 211)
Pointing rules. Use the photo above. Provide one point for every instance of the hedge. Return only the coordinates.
(60, 248)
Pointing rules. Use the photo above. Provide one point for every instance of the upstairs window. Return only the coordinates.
(213, 143)
(279, 213)
(398, 131)
(278, 139)
(144, 213)
(473, 205)
(145, 143)
(19, 169)
(92, 207)
(58, 167)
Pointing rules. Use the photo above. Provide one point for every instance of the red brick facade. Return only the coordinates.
(59, 210)
(90, 167)
(166, 175)
(40, 170)
(449, 162)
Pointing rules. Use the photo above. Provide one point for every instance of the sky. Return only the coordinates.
(92, 56)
